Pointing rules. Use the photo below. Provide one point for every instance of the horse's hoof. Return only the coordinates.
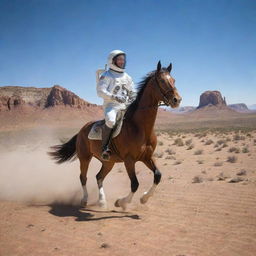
(117, 203)
(120, 203)
(102, 204)
(83, 203)
(143, 199)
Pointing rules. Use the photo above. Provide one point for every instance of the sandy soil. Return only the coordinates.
(204, 205)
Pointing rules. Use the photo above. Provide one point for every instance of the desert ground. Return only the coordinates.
(205, 204)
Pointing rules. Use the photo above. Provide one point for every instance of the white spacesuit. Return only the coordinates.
(117, 89)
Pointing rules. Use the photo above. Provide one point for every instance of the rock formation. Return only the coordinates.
(16, 96)
(211, 98)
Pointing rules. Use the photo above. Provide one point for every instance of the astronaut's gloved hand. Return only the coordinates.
(120, 99)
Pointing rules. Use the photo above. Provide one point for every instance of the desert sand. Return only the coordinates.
(204, 205)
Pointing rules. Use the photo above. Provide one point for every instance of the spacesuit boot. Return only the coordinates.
(106, 136)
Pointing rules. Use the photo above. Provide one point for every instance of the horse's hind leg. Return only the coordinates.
(130, 167)
(84, 164)
(105, 169)
(157, 177)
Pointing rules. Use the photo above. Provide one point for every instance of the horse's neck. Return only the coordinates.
(145, 115)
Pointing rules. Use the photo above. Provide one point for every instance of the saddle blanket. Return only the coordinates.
(96, 131)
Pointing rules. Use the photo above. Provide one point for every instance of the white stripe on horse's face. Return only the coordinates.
(168, 76)
(170, 80)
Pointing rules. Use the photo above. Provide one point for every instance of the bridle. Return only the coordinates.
(163, 93)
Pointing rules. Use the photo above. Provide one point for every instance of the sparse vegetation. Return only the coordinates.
(178, 142)
(160, 143)
(234, 149)
(236, 179)
(238, 137)
(208, 142)
(190, 147)
(188, 142)
(158, 154)
(232, 159)
(197, 179)
(200, 161)
(170, 157)
(169, 151)
(220, 142)
(224, 145)
(218, 163)
(241, 172)
(198, 152)
(245, 150)
(177, 162)
(221, 176)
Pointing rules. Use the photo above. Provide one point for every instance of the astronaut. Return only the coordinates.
(117, 89)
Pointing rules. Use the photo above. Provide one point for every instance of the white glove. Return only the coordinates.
(120, 99)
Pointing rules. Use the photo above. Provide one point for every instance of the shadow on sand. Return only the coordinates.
(83, 214)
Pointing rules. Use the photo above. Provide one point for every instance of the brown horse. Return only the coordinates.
(135, 142)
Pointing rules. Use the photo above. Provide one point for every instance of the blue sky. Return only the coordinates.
(212, 44)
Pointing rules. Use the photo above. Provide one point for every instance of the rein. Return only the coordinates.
(166, 101)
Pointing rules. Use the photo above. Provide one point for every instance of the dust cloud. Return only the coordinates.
(28, 174)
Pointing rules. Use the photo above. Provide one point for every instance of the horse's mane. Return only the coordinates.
(140, 89)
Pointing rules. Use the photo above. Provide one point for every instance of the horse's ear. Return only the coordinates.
(159, 66)
(169, 68)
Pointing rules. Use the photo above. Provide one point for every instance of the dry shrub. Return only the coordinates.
(198, 152)
(218, 164)
(238, 137)
(208, 142)
(232, 159)
(197, 179)
(178, 142)
(190, 147)
(236, 179)
(241, 172)
(177, 162)
(170, 157)
(158, 154)
(188, 142)
(169, 151)
(220, 142)
(221, 176)
(160, 143)
(234, 149)
(245, 150)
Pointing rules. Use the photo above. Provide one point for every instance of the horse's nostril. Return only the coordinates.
(175, 100)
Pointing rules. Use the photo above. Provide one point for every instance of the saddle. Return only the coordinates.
(96, 130)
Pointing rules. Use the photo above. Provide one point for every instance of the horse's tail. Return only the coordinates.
(64, 152)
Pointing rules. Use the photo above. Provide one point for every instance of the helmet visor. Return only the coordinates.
(120, 60)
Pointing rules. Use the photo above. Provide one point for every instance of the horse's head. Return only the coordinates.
(165, 84)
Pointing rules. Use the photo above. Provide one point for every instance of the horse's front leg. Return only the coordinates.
(150, 163)
(130, 167)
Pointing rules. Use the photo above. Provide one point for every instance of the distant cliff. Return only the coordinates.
(211, 98)
(16, 96)
(240, 107)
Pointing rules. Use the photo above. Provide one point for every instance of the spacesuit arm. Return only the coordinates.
(133, 92)
(102, 86)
